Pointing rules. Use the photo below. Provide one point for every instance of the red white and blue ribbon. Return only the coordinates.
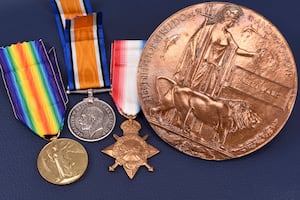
(125, 57)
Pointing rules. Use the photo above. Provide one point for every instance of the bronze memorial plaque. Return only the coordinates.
(217, 81)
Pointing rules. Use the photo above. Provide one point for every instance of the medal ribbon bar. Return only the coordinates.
(34, 87)
(82, 36)
(124, 63)
(66, 9)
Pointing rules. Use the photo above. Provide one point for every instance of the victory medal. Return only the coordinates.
(62, 161)
(39, 101)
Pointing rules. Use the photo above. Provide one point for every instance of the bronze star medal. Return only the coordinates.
(130, 150)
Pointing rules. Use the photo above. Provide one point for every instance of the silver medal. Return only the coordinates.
(91, 120)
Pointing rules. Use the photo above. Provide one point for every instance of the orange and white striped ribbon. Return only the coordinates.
(83, 41)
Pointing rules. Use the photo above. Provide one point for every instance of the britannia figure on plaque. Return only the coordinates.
(202, 71)
(208, 55)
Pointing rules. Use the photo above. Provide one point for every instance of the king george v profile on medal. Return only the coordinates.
(91, 120)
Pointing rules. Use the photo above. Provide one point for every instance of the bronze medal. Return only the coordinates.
(62, 161)
(217, 81)
(131, 150)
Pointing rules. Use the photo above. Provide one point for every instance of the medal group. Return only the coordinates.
(34, 85)
(199, 105)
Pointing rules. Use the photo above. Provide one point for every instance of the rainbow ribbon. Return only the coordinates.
(124, 63)
(34, 86)
(82, 37)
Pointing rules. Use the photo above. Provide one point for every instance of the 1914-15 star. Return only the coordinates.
(130, 150)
